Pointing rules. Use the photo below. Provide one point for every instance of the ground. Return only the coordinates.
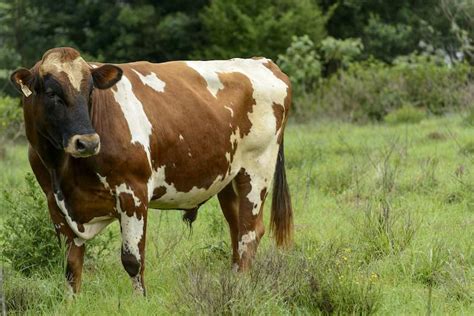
(383, 224)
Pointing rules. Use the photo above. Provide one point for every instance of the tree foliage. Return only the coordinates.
(245, 28)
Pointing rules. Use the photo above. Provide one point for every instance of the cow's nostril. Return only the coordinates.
(80, 146)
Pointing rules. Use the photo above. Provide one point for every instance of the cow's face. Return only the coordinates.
(57, 98)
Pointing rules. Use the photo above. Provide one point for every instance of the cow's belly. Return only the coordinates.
(171, 198)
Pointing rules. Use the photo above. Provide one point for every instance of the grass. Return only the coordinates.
(383, 225)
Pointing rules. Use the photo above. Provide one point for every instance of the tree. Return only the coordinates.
(246, 28)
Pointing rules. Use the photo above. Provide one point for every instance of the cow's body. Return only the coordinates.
(172, 135)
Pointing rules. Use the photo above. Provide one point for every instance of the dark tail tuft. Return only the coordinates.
(281, 220)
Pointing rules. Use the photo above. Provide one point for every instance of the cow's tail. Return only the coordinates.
(281, 220)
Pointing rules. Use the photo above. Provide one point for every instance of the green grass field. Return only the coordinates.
(384, 218)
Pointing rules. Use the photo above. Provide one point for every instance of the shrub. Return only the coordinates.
(383, 231)
(369, 90)
(340, 53)
(11, 118)
(469, 119)
(301, 62)
(243, 28)
(28, 240)
(327, 282)
(405, 114)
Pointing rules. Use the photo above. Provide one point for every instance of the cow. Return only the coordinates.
(109, 141)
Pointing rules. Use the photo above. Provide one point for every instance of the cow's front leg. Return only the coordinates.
(75, 261)
(133, 218)
(75, 248)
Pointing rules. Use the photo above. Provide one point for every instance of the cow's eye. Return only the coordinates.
(50, 94)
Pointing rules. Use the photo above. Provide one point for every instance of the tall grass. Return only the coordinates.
(383, 217)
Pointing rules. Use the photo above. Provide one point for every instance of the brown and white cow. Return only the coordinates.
(109, 141)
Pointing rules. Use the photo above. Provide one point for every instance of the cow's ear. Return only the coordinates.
(106, 76)
(21, 79)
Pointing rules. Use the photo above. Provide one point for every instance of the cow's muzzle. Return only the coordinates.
(81, 146)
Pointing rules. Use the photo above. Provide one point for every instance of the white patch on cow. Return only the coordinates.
(181, 137)
(91, 229)
(235, 267)
(132, 233)
(104, 182)
(214, 84)
(137, 285)
(132, 227)
(79, 241)
(152, 80)
(58, 226)
(230, 110)
(138, 124)
(69, 291)
(93, 66)
(124, 188)
(177, 199)
(189, 154)
(245, 240)
(73, 69)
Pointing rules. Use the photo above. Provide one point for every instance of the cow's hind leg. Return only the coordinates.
(229, 201)
(251, 189)
(133, 219)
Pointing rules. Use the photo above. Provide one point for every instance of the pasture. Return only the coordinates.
(383, 224)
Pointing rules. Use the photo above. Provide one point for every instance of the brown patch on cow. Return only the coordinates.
(237, 95)
(277, 111)
(281, 111)
(263, 194)
(158, 192)
(127, 205)
(244, 186)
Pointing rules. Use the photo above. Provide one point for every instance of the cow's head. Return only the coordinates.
(57, 97)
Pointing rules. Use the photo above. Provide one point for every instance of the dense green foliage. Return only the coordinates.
(370, 90)
(11, 119)
(28, 242)
(382, 218)
(248, 28)
(124, 30)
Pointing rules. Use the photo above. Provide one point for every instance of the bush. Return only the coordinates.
(28, 240)
(243, 28)
(11, 118)
(405, 114)
(369, 90)
(328, 282)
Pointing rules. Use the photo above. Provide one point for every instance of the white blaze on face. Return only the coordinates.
(73, 69)
(138, 123)
(152, 80)
(245, 240)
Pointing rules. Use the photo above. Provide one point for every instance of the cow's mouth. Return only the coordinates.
(81, 146)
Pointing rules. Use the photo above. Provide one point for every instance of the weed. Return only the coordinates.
(384, 232)
(406, 114)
